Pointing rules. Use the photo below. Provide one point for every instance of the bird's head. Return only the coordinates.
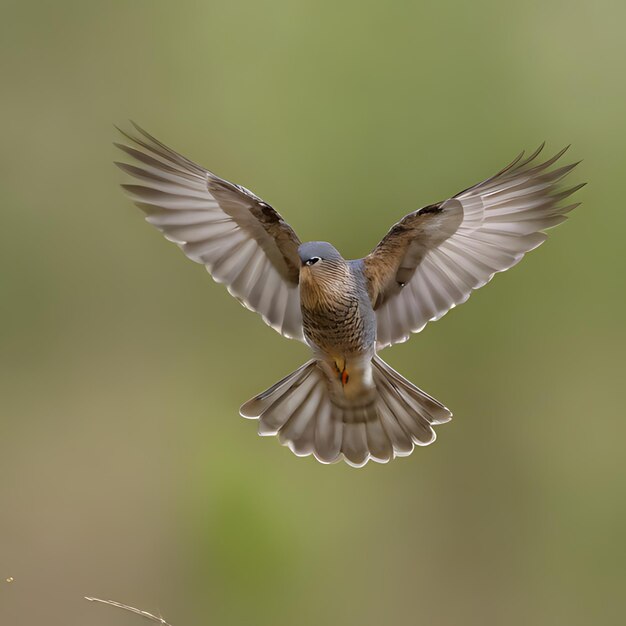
(314, 255)
(323, 272)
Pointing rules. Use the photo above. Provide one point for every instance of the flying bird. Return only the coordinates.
(346, 402)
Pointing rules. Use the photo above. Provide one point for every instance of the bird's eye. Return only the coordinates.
(312, 261)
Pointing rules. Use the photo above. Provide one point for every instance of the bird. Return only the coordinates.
(346, 403)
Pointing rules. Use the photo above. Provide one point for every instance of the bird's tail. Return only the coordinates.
(388, 422)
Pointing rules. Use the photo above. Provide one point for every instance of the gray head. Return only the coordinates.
(314, 251)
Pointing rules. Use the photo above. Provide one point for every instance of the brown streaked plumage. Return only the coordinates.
(346, 402)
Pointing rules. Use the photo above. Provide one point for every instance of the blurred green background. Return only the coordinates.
(126, 470)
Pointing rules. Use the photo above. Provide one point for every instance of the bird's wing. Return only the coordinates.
(433, 258)
(242, 241)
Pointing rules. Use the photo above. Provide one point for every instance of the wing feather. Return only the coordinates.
(434, 258)
(242, 241)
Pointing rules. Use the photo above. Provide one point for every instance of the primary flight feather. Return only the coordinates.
(346, 402)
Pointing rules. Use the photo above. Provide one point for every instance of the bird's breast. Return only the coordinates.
(334, 319)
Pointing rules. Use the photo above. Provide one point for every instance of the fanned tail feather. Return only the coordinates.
(389, 422)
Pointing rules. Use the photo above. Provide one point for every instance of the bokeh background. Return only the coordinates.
(125, 470)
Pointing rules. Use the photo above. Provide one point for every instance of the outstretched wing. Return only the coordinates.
(433, 258)
(242, 241)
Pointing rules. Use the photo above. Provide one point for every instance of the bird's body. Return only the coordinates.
(337, 316)
(340, 327)
(346, 402)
